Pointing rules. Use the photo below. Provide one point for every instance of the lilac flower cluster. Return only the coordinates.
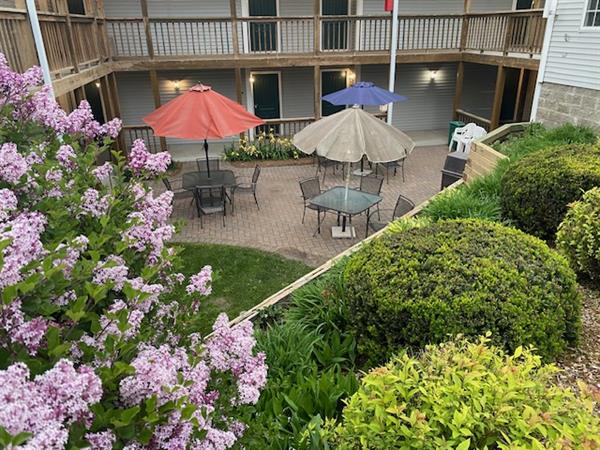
(103, 172)
(231, 349)
(168, 374)
(201, 282)
(113, 270)
(148, 226)
(24, 232)
(47, 405)
(142, 161)
(12, 165)
(73, 252)
(66, 157)
(19, 331)
(8, 203)
(93, 204)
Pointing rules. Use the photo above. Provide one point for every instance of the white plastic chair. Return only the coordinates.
(464, 136)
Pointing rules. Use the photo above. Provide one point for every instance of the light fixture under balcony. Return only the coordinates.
(432, 75)
(251, 79)
(350, 76)
(177, 86)
(98, 84)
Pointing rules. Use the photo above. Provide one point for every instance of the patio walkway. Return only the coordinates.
(277, 226)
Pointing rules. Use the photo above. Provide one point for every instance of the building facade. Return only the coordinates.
(569, 83)
(474, 60)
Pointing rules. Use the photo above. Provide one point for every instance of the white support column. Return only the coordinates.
(550, 14)
(39, 43)
(393, 52)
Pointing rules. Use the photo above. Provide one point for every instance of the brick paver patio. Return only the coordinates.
(277, 226)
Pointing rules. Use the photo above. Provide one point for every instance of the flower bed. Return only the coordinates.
(266, 146)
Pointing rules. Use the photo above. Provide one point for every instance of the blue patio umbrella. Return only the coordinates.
(363, 93)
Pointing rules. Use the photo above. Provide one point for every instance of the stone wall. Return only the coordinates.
(560, 104)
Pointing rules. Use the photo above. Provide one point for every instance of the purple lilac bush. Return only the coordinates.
(90, 356)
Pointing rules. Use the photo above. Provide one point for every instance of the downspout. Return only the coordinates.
(393, 53)
(550, 15)
(39, 44)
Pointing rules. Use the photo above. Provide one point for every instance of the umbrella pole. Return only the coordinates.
(206, 153)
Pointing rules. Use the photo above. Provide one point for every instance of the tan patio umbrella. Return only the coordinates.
(350, 134)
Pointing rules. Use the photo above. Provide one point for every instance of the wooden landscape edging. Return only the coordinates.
(286, 291)
(483, 159)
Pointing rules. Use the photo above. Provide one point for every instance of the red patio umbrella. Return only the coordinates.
(201, 113)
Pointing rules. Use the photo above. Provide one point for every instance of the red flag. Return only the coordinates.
(389, 5)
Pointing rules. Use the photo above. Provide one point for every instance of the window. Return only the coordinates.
(592, 14)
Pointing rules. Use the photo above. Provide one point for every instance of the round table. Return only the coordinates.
(217, 178)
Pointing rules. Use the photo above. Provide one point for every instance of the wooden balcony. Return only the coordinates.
(93, 46)
(273, 39)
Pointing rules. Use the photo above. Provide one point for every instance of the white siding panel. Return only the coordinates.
(169, 8)
(429, 104)
(375, 7)
(491, 5)
(297, 92)
(135, 96)
(574, 55)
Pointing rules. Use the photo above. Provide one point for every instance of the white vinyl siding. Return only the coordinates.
(375, 7)
(429, 104)
(574, 53)
(297, 90)
(170, 8)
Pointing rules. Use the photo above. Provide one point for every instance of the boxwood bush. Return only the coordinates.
(463, 395)
(461, 276)
(578, 236)
(537, 189)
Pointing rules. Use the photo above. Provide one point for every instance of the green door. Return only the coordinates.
(332, 81)
(335, 32)
(263, 35)
(266, 95)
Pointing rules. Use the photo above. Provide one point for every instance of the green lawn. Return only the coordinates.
(244, 277)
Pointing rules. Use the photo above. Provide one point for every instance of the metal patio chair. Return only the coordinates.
(372, 184)
(388, 166)
(310, 188)
(178, 192)
(403, 206)
(248, 187)
(213, 164)
(323, 163)
(210, 200)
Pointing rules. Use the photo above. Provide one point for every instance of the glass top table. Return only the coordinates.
(348, 202)
(217, 178)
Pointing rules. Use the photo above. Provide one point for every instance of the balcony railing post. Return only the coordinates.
(71, 43)
(317, 27)
(147, 31)
(508, 39)
(234, 28)
(464, 35)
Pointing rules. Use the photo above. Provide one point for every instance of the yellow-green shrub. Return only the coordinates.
(462, 395)
(578, 236)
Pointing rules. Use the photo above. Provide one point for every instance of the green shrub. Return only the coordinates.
(464, 276)
(537, 189)
(578, 236)
(462, 395)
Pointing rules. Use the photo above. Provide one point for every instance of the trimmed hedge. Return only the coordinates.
(462, 395)
(464, 276)
(537, 189)
(578, 236)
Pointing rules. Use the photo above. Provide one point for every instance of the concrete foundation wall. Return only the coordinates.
(561, 104)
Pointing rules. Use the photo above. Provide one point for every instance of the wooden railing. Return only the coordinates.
(285, 127)
(71, 42)
(517, 32)
(468, 117)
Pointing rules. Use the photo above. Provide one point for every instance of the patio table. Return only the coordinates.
(217, 178)
(348, 203)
